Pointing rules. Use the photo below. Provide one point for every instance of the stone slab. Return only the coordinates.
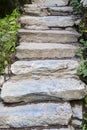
(63, 128)
(77, 111)
(77, 123)
(39, 68)
(48, 21)
(57, 129)
(23, 89)
(45, 51)
(2, 80)
(84, 2)
(49, 3)
(41, 114)
(46, 36)
(34, 10)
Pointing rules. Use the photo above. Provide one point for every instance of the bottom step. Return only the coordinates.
(42, 114)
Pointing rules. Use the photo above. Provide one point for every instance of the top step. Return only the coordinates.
(49, 3)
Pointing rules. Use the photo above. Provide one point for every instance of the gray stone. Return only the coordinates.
(45, 51)
(78, 21)
(84, 2)
(1, 80)
(41, 114)
(46, 36)
(23, 89)
(53, 68)
(77, 111)
(33, 9)
(35, 27)
(58, 129)
(48, 21)
(77, 123)
(70, 29)
(49, 3)
(71, 127)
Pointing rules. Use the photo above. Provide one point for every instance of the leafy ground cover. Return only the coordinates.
(8, 38)
(82, 53)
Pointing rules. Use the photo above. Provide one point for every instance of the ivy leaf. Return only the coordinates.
(85, 72)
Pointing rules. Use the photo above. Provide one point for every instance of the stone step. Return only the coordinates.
(49, 3)
(42, 114)
(25, 89)
(34, 10)
(45, 36)
(48, 21)
(40, 68)
(45, 51)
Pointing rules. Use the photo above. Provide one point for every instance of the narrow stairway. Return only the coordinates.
(44, 91)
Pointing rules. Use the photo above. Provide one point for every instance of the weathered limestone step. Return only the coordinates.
(45, 36)
(25, 89)
(53, 68)
(48, 21)
(45, 51)
(42, 114)
(49, 3)
(34, 10)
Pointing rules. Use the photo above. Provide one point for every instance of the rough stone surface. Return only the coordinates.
(48, 21)
(52, 36)
(58, 129)
(53, 68)
(34, 10)
(20, 89)
(45, 51)
(35, 27)
(84, 2)
(1, 80)
(50, 2)
(77, 123)
(35, 115)
(77, 111)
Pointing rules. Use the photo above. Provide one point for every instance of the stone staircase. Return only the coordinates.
(44, 91)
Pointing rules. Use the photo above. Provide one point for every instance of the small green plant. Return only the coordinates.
(84, 127)
(8, 38)
(82, 51)
(82, 28)
(77, 6)
(82, 69)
